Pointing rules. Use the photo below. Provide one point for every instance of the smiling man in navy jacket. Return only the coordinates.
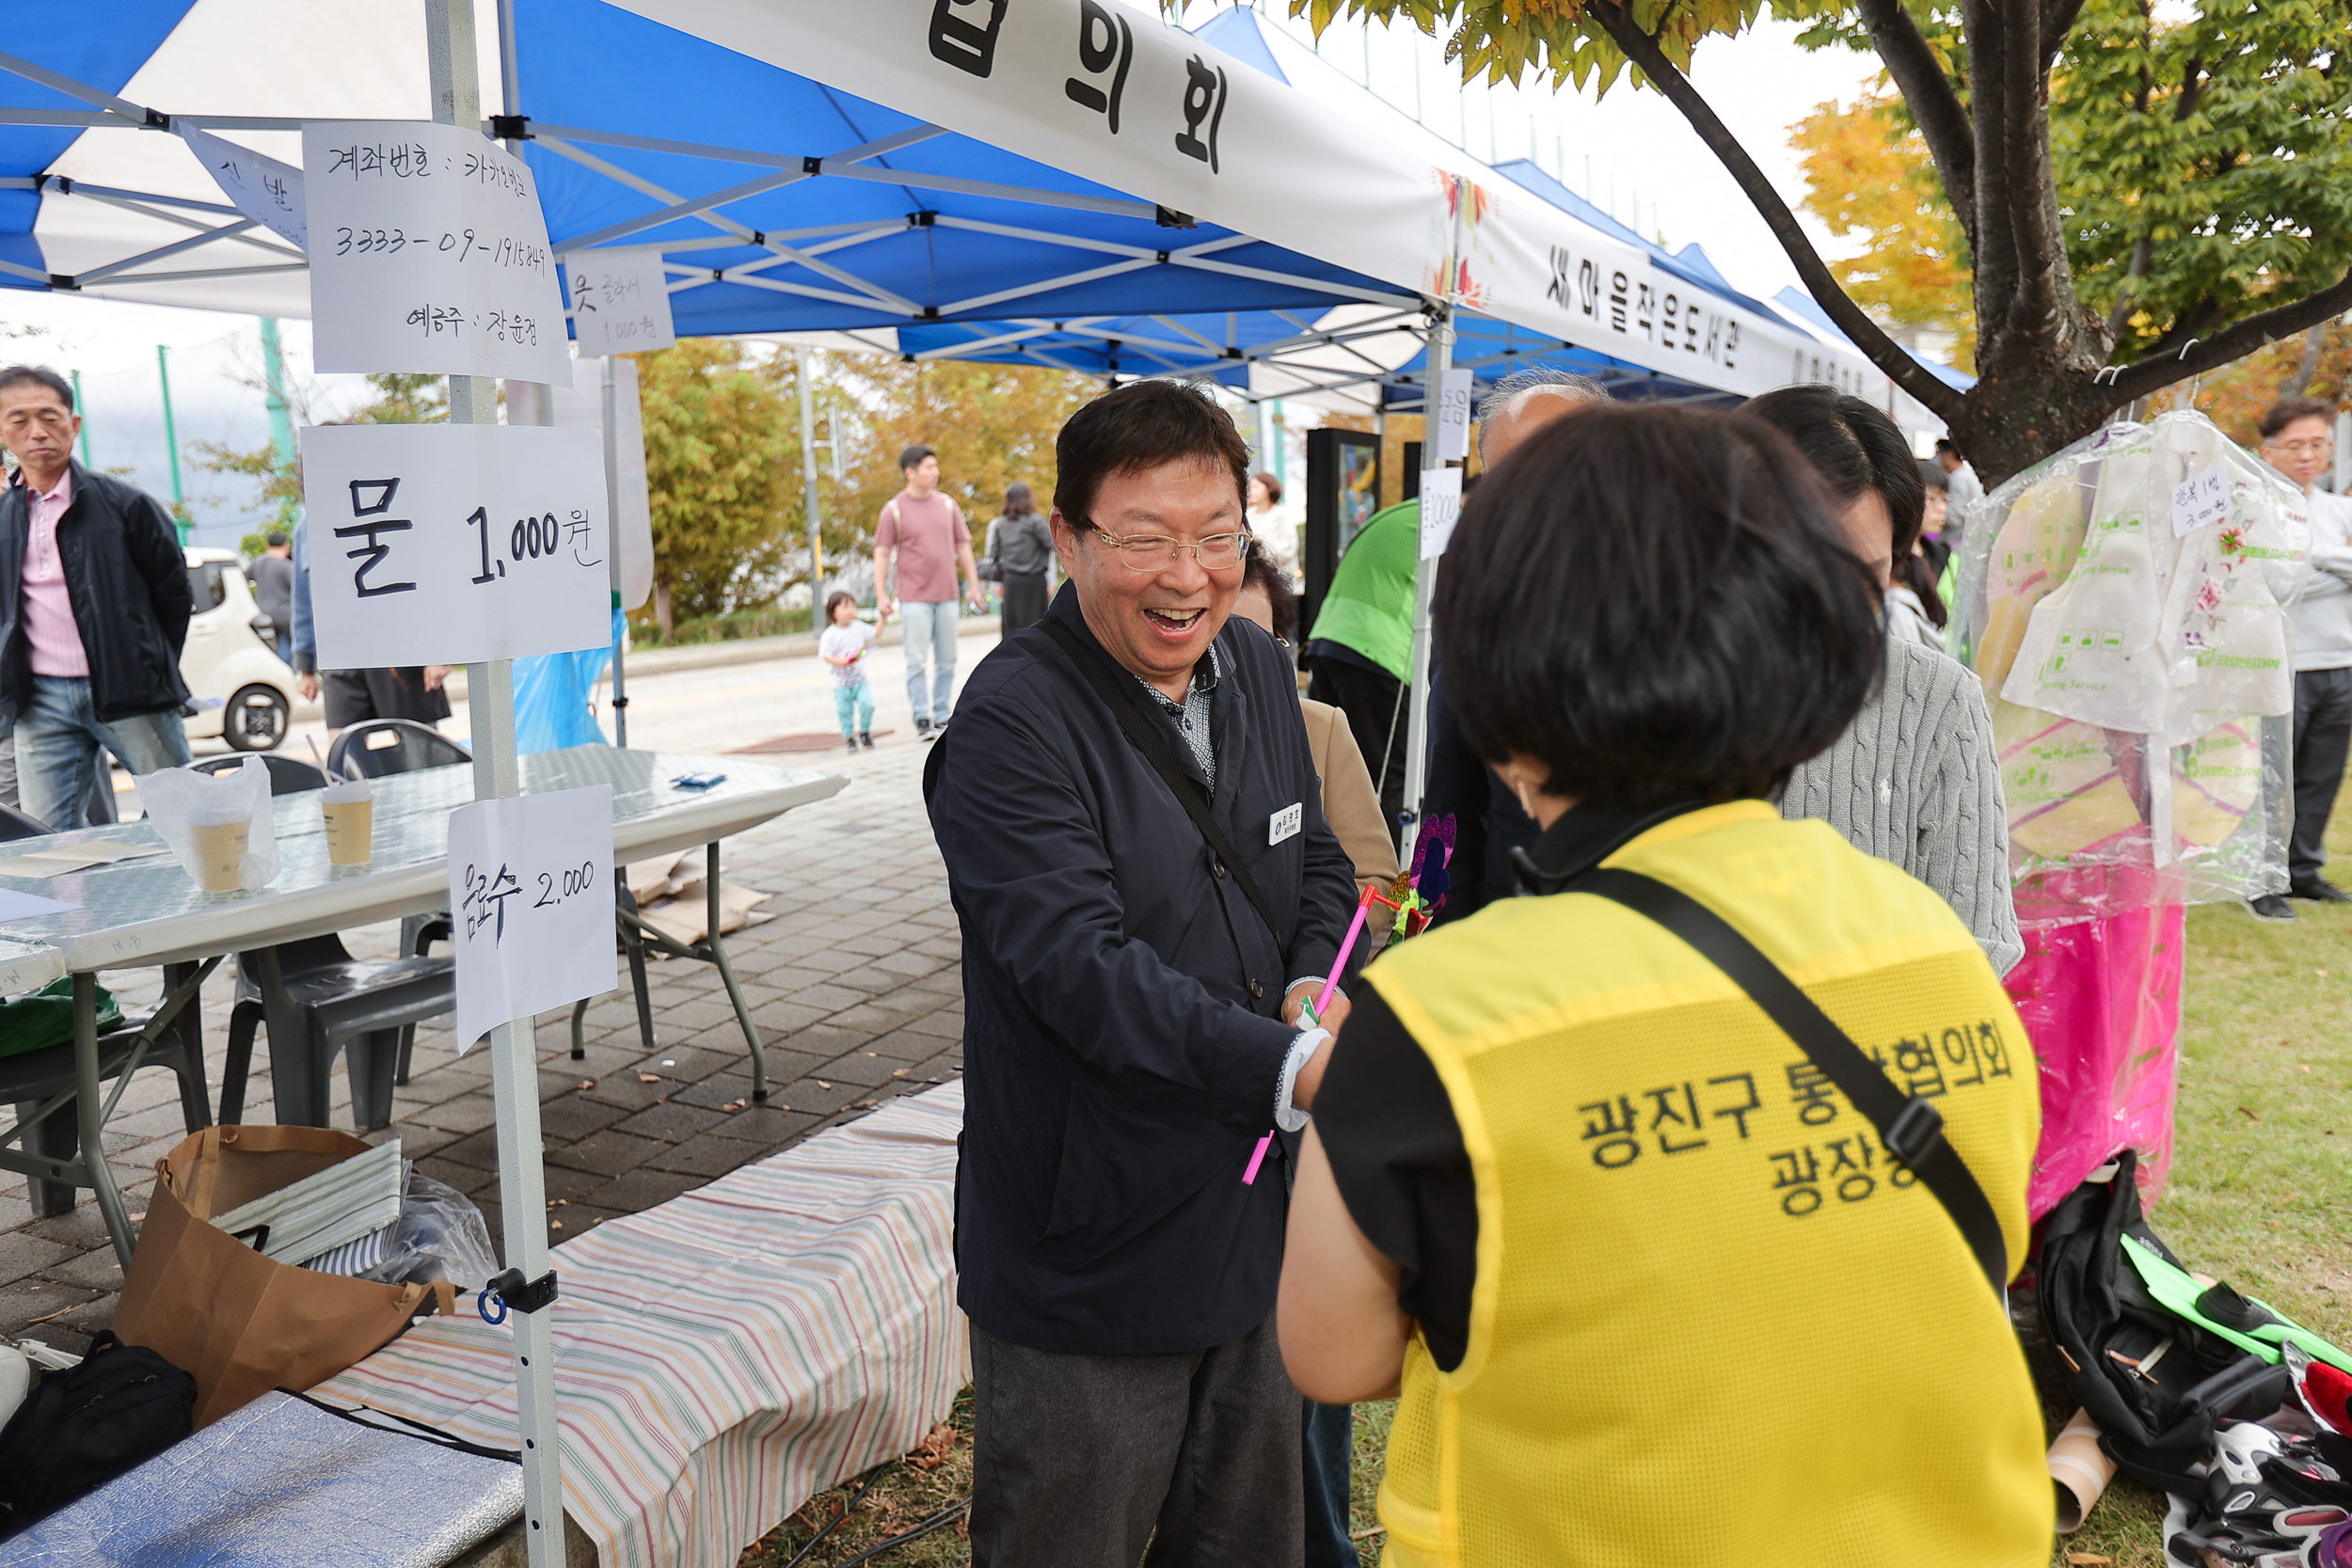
(1132, 1028)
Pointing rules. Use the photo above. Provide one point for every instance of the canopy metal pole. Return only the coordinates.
(513, 1046)
(612, 555)
(809, 483)
(1440, 359)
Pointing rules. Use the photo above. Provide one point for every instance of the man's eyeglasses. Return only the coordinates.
(1153, 552)
(2303, 449)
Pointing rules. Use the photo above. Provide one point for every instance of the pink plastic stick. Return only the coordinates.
(1250, 1177)
(1355, 930)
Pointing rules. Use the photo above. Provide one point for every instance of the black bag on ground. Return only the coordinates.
(2155, 1382)
(80, 1428)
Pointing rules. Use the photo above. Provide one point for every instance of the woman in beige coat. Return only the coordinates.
(1349, 803)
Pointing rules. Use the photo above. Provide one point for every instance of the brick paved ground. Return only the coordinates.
(855, 988)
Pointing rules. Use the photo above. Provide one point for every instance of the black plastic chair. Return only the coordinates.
(318, 1000)
(43, 1081)
(14, 825)
(286, 775)
(382, 747)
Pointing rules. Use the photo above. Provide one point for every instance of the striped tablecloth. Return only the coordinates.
(721, 1357)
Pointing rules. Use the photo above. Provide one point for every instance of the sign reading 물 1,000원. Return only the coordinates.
(428, 254)
(437, 544)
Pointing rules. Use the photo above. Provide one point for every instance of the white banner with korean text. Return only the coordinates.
(1111, 93)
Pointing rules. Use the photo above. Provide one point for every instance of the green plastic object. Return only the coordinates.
(2177, 1291)
(45, 1017)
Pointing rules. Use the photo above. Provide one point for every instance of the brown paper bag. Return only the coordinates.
(240, 1323)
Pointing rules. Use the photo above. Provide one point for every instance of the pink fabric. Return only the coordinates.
(2101, 1001)
(49, 624)
(926, 533)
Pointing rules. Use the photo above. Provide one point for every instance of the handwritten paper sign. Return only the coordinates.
(2202, 497)
(1454, 416)
(438, 544)
(1441, 509)
(263, 189)
(428, 254)
(620, 302)
(530, 901)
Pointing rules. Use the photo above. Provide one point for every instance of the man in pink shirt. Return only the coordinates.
(94, 607)
(923, 532)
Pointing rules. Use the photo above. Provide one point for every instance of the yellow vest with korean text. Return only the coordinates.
(1714, 1323)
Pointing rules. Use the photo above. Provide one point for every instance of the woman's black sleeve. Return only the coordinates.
(1396, 1151)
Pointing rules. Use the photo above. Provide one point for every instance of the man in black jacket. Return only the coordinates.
(94, 607)
(1132, 1030)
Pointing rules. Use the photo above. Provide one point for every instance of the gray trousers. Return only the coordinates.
(1080, 1461)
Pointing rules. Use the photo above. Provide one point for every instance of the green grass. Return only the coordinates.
(2260, 1191)
(734, 626)
(2262, 1156)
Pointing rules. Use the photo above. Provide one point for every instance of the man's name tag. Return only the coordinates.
(1285, 823)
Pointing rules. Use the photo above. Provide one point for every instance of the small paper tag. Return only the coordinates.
(1441, 509)
(2202, 497)
(1285, 823)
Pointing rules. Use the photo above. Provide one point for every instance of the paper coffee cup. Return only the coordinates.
(218, 849)
(350, 814)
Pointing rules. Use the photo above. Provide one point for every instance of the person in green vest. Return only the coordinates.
(1359, 653)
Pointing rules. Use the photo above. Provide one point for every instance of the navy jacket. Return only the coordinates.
(127, 579)
(1122, 1032)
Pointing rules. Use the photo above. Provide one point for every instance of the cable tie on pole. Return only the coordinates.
(511, 127)
(812, 165)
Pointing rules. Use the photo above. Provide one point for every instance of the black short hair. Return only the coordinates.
(274, 538)
(1019, 500)
(1268, 579)
(1856, 447)
(2275, 418)
(1145, 424)
(1656, 604)
(915, 455)
(16, 375)
(1943, 444)
(1933, 476)
(837, 598)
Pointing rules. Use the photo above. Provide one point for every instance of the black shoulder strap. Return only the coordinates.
(1910, 1127)
(1148, 741)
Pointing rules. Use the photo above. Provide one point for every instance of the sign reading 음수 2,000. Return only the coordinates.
(428, 254)
(440, 544)
(530, 904)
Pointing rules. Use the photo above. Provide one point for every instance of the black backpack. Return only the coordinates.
(82, 1427)
(2155, 1382)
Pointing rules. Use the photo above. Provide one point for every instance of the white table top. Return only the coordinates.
(148, 911)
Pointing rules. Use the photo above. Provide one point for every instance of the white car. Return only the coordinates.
(244, 691)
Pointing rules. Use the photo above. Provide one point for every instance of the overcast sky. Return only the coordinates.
(1631, 153)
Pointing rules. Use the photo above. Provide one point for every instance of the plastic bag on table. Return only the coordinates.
(220, 825)
(440, 1235)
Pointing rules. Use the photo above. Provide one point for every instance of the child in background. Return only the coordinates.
(843, 646)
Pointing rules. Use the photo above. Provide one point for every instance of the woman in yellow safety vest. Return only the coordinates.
(1651, 1286)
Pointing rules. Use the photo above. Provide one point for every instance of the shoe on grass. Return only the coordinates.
(2319, 891)
(2271, 906)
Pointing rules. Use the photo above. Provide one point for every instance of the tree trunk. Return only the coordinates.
(2308, 367)
(661, 609)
